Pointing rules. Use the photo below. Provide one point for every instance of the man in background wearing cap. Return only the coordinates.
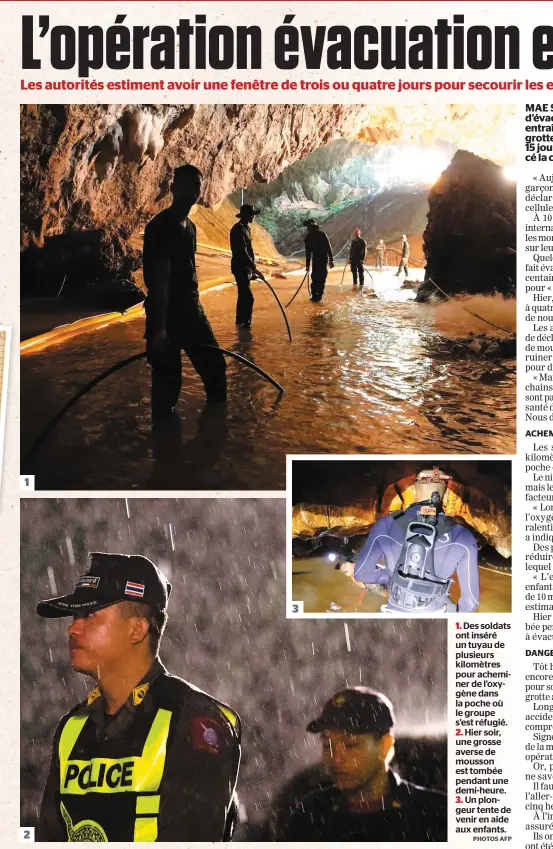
(146, 757)
(175, 319)
(455, 549)
(318, 251)
(243, 263)
(366, 800)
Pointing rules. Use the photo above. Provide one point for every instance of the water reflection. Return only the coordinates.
(363, 375)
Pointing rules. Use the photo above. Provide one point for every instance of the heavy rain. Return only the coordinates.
(228, 635)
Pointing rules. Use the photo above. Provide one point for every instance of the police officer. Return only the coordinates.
(404, 258)
(380, 249)
(366, 800)
(357, 251)
(455, 549)
(147, 756)
(319, 251)
(175, 320)
(243, 263)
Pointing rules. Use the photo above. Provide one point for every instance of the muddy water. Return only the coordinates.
(323, 589)
(363, 375)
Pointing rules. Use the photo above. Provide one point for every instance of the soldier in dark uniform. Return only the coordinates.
(175, 320)
(366, 800)
(243, 263)
(318, 252)
(146, 757)
(357, 251)
(404, 258)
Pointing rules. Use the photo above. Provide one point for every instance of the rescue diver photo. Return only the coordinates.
(399, 537)
(200, 283)
(164, 697)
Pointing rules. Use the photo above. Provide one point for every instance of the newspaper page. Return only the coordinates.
(262, 461)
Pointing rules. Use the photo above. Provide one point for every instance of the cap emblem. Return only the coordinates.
(88, 581)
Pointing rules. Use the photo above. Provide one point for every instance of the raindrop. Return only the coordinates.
(346, 629)
(52, 579)
(70, 552)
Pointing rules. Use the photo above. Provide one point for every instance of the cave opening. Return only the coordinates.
(382, 189)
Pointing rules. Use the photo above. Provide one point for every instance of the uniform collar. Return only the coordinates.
(96, 704)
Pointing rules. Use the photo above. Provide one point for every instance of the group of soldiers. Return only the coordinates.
(175, 320)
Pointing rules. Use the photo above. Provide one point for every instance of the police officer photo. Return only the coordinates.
(366, 800)
(243, 263)
(175, 320)
(146, 756)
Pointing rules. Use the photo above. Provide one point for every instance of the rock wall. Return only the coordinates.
(470, 237)
(106, 169)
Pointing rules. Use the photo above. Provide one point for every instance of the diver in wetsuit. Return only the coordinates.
(421, 584)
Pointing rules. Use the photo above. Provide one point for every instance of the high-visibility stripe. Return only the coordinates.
(152, 763)
(147, 804)
(142, 773)
(145, 830)
(68, 738)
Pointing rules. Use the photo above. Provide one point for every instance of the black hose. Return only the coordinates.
(369, 273)
(242, 359)
(344, 272)
(297, 290)
(86, 388)
(122, 364)
(260, 277)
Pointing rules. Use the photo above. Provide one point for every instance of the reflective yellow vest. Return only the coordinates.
(113, 797)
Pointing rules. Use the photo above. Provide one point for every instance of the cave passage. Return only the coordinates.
(364, 375)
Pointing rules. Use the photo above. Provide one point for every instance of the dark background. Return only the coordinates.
(227, 634)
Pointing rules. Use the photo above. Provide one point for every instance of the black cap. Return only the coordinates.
(110, 578)
(357, 710)
(247, 209)
(310, 222)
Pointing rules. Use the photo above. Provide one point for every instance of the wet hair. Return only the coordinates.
(187, 170)
(156, 621)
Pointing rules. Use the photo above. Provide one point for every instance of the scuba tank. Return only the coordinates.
(414, 586)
